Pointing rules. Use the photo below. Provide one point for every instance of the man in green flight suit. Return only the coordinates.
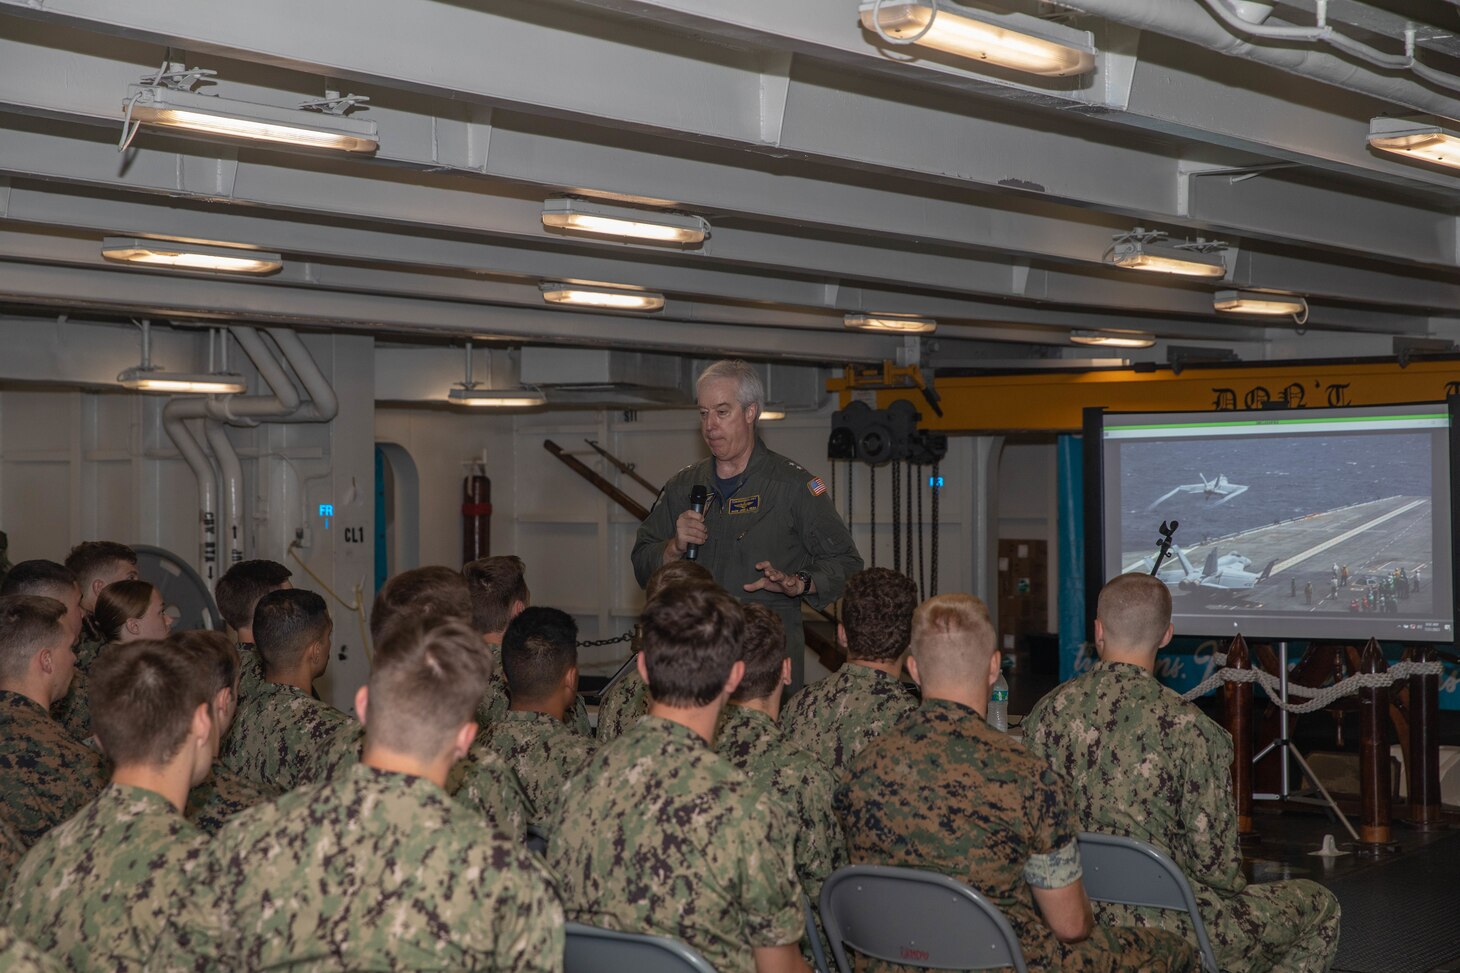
(769, 532)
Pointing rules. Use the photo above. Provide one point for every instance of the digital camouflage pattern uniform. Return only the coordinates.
(73, 710)
(543, 752)
(484, 782)
(625, 703)
(250, 670)
(944, 791)
(46, 775)
(12, 850)
(371, 871)
(659, 834)
(1141, 762)
(222, 795)
(778, 512)
(97, 890)
(19, 956)
(282, 737)
(838, 716)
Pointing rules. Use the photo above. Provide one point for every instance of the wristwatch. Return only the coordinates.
(805, 577)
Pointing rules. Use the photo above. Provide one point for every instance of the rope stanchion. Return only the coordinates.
(1374, 782)
(1237, 698)
(1317, 699)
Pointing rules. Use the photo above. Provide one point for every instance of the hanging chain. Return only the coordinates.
(922, 565)
(595, 643)
(896, 517)
(937, 489)
(872, 512)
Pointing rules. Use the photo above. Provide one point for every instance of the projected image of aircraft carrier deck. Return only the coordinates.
(1365, 557)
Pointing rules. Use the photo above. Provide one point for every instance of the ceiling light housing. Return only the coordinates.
(1011, 40)
(647, 226)
(190, 256)
(771, 414)
(144, 379)
(210, 115)
(612, 298)
(1256, 302)
(1113, 339)
(517, 398)
(1152, 253)
(890, 323)
(1416, 137)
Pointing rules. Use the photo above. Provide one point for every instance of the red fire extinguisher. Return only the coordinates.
(476, 515)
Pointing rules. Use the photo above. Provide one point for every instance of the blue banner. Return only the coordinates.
(1071, 552)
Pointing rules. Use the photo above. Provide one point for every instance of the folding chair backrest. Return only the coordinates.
(589, 949)
(1128, 871)
(813, 936)
(914, 918)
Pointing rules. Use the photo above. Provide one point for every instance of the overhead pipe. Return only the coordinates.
(174, 416)
(1190, 23)
(231, 479)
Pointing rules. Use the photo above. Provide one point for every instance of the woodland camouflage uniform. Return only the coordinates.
(944, 791)
(46, 775)
(658, 834)
(838, 716)
(1141, 762)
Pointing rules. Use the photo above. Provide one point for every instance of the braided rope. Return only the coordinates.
(1316, 698)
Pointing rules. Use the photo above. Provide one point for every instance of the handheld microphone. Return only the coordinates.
(697, 498)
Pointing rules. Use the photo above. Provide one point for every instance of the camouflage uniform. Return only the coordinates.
(73, 710)
(96, 891)
(371, 871)
(250, 670)
(12, 850)
(944, 791)
(19, 956)
(87, 650)
(838, 716)
(658, 834)
(622, 706)
(1139, 761)
(543, 752)
(45, 774)
(282, 737)
(222, 795)
(484, 782)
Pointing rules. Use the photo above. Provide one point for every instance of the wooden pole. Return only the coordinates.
(1374, 776)
(1237, 705)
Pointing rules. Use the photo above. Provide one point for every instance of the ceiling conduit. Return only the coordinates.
(1188, 22)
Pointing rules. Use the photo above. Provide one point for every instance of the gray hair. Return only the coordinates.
(750, 390)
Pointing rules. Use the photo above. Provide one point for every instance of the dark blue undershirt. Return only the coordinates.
(727, 488)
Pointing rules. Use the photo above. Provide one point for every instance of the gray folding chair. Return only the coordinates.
(589, 949)
(813, 936)
(915, 918)
(1128, 871)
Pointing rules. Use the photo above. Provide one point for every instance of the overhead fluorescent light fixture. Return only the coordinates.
(1417, 137)
(190, 256)
(1256, 302)
(517, 398)
(1011, 40)
(617, 221)
(614, 298)
(772, 414)
(206, 383)
(1113, 339)
(204, 114)
(1151, 251)
(892, 323)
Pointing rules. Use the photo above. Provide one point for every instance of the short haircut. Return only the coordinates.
(676, 572)
(38, 578)
(143, 696)
(495, 583)
(28, 623)
(952, 639)
(90, 559)
(764, 649)
(434, 593)
(539, 646)
(692, 636)
(749, 389)
(877, 610)
(118, 603)
(218, 651)
(239, 590)
(1134, 610)
(285, 623)
(426, 682)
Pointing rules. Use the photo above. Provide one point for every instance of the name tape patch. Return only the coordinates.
(745, 505)
(816, 487)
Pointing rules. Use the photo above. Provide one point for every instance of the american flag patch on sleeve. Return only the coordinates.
(816, 487)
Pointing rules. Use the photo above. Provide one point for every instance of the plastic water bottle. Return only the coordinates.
(999, 705)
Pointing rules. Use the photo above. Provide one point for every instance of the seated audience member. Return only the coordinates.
(282, 735)
(483, 780)
(47, 579)
(540, 654)
(1140, 761)
(46, 775)
(749, 737)
(659, 834)
(96, 891)
(222, 793)
(943, 791)
(378, 869)
(125, 611)
(19, 956)
(12, 850)
(836, 717)
(624, 702)
(238, 593)
(97, 564)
